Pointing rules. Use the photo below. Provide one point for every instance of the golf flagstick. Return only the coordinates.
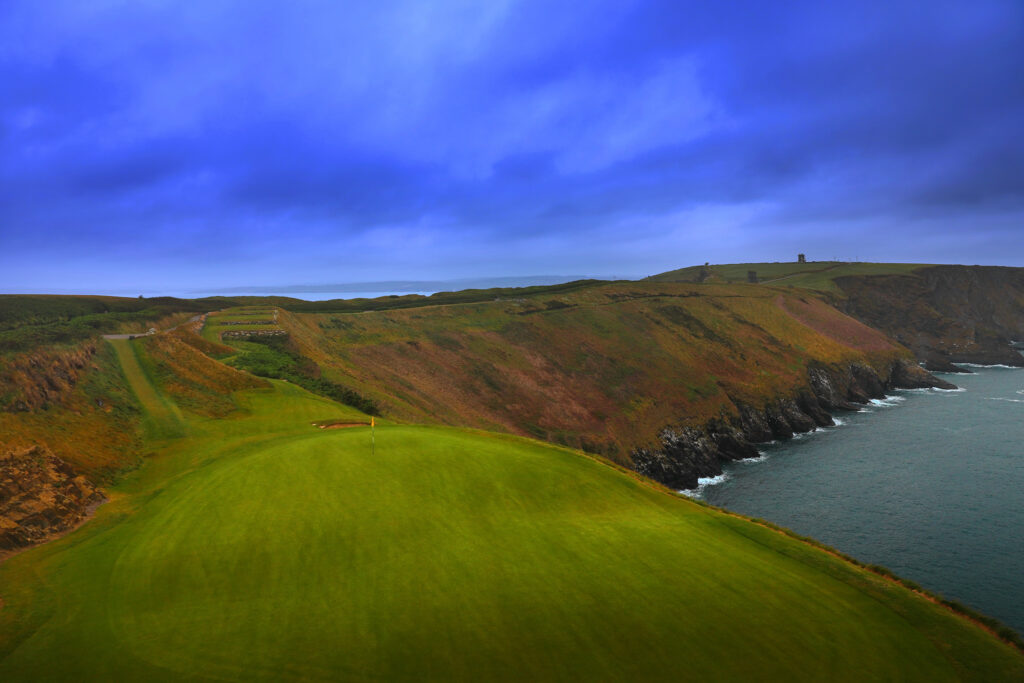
(373, 440)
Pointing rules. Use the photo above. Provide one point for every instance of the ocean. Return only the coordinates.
(927, 483)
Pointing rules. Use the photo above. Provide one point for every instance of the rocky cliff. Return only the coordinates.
(41, 496)
(683, 455)
(944, 314)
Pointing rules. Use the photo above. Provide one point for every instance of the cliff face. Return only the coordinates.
(944, 314)
(683, 455)
(41, 496)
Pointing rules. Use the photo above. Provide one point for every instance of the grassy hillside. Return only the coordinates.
(76, 403)
(818, 275)
(944, 314)
(257, 547)
(603, 367)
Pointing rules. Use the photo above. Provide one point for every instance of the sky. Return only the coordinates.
(165, 145)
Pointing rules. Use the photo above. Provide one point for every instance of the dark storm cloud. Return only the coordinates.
(209, 139)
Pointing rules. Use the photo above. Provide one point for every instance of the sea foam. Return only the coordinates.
(703, 483)
(994, 365)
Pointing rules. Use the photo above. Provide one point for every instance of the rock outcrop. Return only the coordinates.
(684, 455)
(41, 496)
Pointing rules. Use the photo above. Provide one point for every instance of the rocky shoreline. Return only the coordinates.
(685, 454)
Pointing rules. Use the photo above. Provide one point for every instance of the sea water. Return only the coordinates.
(928, 483)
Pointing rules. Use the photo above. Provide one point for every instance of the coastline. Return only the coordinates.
(913, 490)
(685, 455)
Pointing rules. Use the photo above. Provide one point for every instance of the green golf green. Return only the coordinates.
(261, 548)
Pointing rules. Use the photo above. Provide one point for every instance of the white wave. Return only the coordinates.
(994, 365)
(931, 389)
(703, 483)
(838, 422)
(761, 457)
(948, 391)
(1021, 391)
(887, 402)
(1008, 400)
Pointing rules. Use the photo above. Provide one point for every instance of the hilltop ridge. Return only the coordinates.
(945, 314)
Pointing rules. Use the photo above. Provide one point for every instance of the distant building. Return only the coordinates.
(801, 258)
(752, 276)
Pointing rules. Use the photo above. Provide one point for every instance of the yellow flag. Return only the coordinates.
(371, 421)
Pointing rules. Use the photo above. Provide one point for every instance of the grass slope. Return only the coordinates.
(819, 275)
(161, 417)
(260, 548)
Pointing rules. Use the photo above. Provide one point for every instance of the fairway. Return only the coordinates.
(262, 548)
(162, 418)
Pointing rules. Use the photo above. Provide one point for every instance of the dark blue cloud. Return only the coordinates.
(221, 143)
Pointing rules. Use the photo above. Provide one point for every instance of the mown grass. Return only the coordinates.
(162, 419)
(259, 548)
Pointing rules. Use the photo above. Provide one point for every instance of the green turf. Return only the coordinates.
(162, 418)
(819, 275)
(261, 548)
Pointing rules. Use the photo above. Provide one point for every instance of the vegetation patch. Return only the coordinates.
(277, 358)
(196, 382)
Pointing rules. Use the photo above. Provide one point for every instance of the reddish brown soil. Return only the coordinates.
(341, 425)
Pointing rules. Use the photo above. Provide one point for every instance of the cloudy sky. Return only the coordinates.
(165, 144)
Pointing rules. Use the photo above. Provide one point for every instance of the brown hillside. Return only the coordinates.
(605, 368)
(195, 381)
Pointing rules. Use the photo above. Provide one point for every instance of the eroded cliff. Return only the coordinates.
(41, 496)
